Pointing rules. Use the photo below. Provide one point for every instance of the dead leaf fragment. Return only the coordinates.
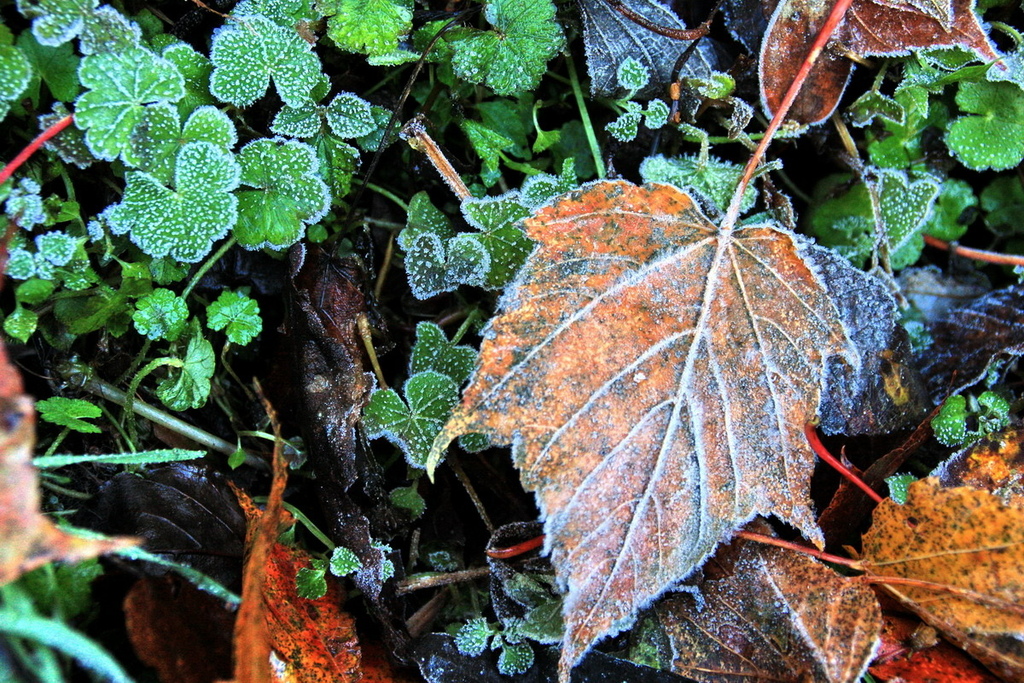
(969, 541)
(778, 616)
(654, 374)
(994, 464)
(871, 27)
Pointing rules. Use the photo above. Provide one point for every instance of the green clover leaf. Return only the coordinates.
(237, 315)
(436, 260)
(120, 86)
(433, 351)
(183, 222)
(195, 69)
(288, 194)
(250, 52)
(107, 30)
(369, 27)
(497, 220)
(991, 136)
(513, 57)
(55, 22)
(413, 423)
(161, 314)
(159, 137)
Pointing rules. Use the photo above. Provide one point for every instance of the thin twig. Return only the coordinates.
(975, 254)
(417, 583)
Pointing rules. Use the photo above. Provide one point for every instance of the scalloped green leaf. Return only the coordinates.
(413, 423)
(250, 52)
(161, 314)
(512, 57)
(107, 30)
(70, 412)
(497, 220)
(433, 351)
(120, 86)
(713, 178)
(189, 386)
(57, 67)
(350, 116)
(159, 137)
(183, 222)
(55, 22)
(338, 162)
(195, 69)
(905, 205)
(990, 136)
(303, 121)
(15, 75)
(952, 212)
(369, 27)
(237, 315)
(288, 194)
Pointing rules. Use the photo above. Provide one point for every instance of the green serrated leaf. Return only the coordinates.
(497, 219)
(237, 315)
(120, 85)
(338, 162)
(15, 75)
(161, 314)
(1003, 203)
(195, 69)
(950, 425)
(715, 179)
(991, 135)
(21, 323)
(474, 636)
(433, 351)
(626, 127)
(63, 588)
(70, 412)
(408, 498)
(107, 30)
(513, 57)
(33, 292)
(344, 562)
(311, 582)
(350, 116)
(302, 121)
(183, 222)
(515, 659)
(189, 386)
(56, 246)
(370, 27)
(632, 75)
(250, 52)
(288, 194)
(411, 424)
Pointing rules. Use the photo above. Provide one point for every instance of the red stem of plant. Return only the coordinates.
(789, 545)
(517, 549)
(831, 22)
(815, 441)
(40, 140)
(975, 254)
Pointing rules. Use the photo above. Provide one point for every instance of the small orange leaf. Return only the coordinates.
(956, 558)
(654, 373)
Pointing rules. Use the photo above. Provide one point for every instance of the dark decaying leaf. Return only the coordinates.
(654, 374)
(912, 652)
(609, 38)
(966, 539)
(184, 510)
(970, 338)
(776, 615)
(325, 300)
(182, 632)
(871, 27)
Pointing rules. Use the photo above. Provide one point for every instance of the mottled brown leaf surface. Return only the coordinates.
(654, 374)
(871, 27)
(965, 539)
(972, 337)
(778, 616)
(994, 464)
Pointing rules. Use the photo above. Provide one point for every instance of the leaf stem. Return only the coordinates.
(831, 22)
(975, 254)
(588, 127)
(31, 148)
(207, 264)
(819, 448)
(789, 545)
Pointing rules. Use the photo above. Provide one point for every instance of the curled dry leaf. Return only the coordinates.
(654, 373)
(962, 551)
(777, 616)
(871, 27)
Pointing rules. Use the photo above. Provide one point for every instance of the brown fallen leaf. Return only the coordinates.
(182, 632)
(654, 374)
(994, 464)
(28, 539)
(904, 657)
(871, 27)
(776, 616)
(956, 558)
(971, 337)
